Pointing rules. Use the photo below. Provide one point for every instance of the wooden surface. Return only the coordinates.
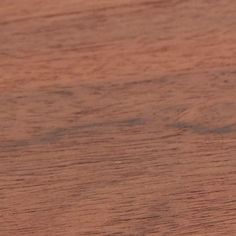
(117, 117)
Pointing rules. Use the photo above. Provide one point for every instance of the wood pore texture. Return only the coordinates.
(118, 117)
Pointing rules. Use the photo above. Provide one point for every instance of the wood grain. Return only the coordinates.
(118, 117)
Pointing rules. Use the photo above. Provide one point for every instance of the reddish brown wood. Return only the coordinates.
(117, 117)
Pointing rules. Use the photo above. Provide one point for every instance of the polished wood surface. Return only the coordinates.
(117, 117)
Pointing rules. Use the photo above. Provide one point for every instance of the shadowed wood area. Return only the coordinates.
(117, 117)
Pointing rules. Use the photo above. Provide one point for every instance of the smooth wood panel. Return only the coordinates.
(117, 117)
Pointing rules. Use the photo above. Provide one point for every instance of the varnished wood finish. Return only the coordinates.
(117, 117)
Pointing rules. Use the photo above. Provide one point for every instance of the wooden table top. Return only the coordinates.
(117, 117)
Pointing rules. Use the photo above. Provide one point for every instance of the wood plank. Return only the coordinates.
(117, 117)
